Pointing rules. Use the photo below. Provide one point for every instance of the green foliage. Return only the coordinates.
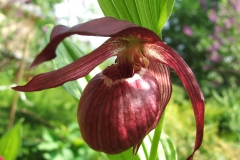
(218, 136)
(168, 147)
(152, 14)
(165, 148)
(229, 126)
(10, 142)
(66, 143)
(51, 109)
(165, 11)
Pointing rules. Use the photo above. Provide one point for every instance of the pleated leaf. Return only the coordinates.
(151, 14)
(165, 9)
(166, 149)
(10, 142)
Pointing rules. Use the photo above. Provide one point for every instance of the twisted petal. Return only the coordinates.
(164, 54)
(75, 70)
(106, 27)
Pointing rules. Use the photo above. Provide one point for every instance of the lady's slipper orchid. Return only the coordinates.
(124, 102)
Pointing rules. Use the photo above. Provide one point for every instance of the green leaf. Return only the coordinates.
(110, 9)
(145, 14)
(48, 146)
(165, 8)
(67, 153)
(165, 151)
(47, 136)
(124, 156)
(10, 142)
(168, 147)
(122, 10)
(151, 14)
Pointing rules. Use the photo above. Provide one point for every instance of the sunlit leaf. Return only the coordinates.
(110, 9)
(47, 136)
(168, 147)
(165, 8)
(144, 10)
(67, 153)
(152, 14)
(10, 142)
(48, 146)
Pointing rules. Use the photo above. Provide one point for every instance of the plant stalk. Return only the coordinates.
(156, 139)
(18, 80)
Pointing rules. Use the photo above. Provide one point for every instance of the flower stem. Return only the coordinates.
(156, 139)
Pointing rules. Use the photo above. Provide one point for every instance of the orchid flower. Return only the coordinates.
(124, 102)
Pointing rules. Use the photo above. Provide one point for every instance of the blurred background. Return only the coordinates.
(205, 33)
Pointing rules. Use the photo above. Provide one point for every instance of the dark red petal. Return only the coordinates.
(73, 71)
(162, 73)
(107, 27)
(164, 54)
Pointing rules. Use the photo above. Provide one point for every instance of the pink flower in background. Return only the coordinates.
(215, 57)
(228, 22)
(187, 30)
(235, 4)
(44, 29)
(213, 15)
(218, 29)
